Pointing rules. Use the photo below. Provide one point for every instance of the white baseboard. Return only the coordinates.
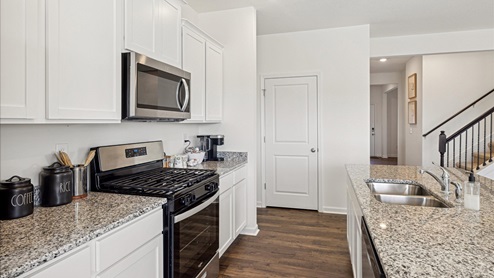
(259, 204)
(250, 231)
(334, 210)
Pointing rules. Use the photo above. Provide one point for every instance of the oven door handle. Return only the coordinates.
(197, 209)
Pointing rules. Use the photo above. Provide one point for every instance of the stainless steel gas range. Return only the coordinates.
(191, 215)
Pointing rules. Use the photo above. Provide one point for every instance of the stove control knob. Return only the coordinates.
(193, 197)
(209, 187)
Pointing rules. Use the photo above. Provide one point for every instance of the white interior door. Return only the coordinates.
(372, 131)
(291, 142)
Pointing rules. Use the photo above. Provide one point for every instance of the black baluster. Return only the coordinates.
(454, 152)
(478, 145)
(466, 148)
(473, 134)
(459, 152)
(485, 143)
(490, 143)
(447, 155)
(442, 147)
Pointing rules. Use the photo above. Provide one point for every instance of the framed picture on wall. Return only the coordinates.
(412, 112)
(412, 86)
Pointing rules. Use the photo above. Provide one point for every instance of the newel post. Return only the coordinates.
(442, 147)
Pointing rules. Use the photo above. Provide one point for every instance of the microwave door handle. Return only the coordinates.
(187, 94)
(177, 94)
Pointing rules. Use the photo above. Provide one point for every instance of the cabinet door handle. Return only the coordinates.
(313, 150)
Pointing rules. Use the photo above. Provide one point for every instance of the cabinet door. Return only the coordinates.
(169, 38)
(214, 83)
(76, 264)
(83, 59)
(147, 261)
(226, 220)
(194, 61)
(240, 218)
(20, 32)
(141, 17)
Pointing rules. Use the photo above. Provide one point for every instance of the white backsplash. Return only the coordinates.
(25, 149)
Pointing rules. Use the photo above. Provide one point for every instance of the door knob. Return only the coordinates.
(313, 150)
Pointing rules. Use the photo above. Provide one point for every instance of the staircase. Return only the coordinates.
(479, 161)
(471, 148)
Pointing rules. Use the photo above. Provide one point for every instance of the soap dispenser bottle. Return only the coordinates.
(472, 193)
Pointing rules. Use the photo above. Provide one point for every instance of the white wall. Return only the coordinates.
(392, 123)
(341, 55)
(25, 149)
(413, 137)
(236, 30)
(451, 82)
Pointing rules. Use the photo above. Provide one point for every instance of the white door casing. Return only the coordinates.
(291, 142)
(372, 131)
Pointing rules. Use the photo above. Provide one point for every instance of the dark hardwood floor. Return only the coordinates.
(291, 243)
(383, 161)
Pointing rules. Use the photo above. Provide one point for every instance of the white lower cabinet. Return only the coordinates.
(240, 200)
(354, 232)
(133, 250)
(233, 206)
(76, 264)
(227, 234)
(146, 261)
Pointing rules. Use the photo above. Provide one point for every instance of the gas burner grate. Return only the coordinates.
(157, 182)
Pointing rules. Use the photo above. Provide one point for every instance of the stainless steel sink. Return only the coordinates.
(397, 188)
(424, 201)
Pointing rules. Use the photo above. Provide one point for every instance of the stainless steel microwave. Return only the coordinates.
(153, 91)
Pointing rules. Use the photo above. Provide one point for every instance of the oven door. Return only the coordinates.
(196, 238)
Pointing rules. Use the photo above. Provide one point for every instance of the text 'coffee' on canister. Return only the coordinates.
(55, 185)
(16, 198)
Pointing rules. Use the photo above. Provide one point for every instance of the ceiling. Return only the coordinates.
(386, 17)
(393, 64)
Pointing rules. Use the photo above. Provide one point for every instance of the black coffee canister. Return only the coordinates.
(16, 198)
(55, 185)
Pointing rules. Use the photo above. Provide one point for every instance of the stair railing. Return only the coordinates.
(458, 113)
(461, 146)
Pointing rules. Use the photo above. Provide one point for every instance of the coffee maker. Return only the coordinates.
(209, 144)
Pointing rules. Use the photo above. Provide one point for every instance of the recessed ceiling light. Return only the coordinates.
(383, 60)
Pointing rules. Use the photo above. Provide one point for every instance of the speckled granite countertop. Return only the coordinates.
(28, 242)
(424, 241)
(233, 160)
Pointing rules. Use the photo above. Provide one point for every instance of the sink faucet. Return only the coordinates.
(458, 191)
(443, 181)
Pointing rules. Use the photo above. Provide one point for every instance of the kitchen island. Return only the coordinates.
(414, 241)
(50, 232)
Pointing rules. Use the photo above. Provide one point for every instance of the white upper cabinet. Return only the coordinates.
(214, 83)
(60, 61)
(83, 59)
(19, 49)
(153, 28)
(203, 58)
(194, 61)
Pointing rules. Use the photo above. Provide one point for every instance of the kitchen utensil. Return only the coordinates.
(79, 189)
(16, 198)
(55, 185)
(57, 155)
(65, 157)
(89, 158)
